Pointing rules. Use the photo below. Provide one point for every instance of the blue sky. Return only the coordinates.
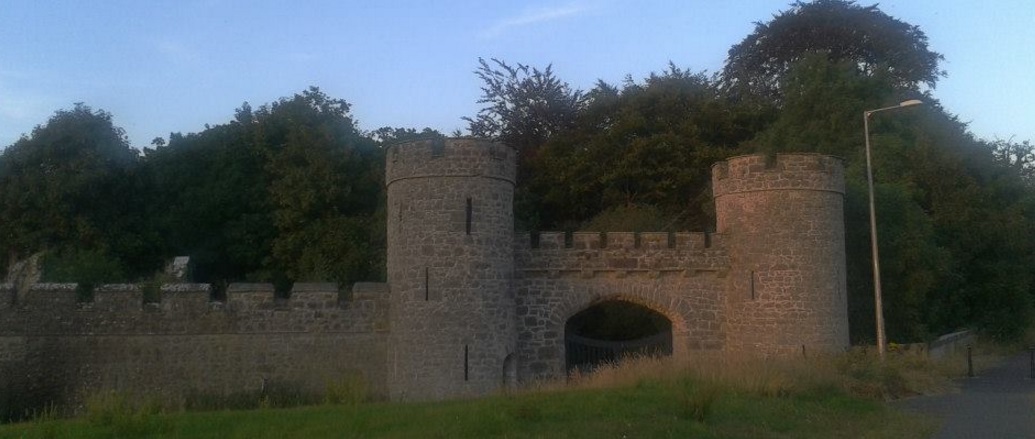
(173, 66)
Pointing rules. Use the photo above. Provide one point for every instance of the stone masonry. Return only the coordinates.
(469, 305)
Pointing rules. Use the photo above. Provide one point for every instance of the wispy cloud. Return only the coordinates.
(534, 16)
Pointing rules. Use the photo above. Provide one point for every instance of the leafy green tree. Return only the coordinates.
(209, 201)
(643, 147)
(953, 220)
(1018, 156)
(326, 189)
(822, 108)
(72, 184)
(288, 191)
(843, 31)
(525, 106)
(389, 135)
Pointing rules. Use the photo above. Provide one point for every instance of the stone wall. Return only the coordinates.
(54, 349)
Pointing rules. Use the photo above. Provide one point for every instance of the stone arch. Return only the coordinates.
(670, 306)
(656, 298)
(609, 330)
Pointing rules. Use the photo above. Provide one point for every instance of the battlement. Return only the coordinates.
(589, 253)
(450, 157)
(56, 308)
(749, 173)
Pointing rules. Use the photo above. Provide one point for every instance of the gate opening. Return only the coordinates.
(612, 330)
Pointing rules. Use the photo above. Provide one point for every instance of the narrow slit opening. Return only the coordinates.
(469, 215)
(752, 284)
(467, 369)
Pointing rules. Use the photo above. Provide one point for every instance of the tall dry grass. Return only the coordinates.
(856, 373)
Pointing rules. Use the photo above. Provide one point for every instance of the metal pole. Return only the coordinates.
(970, 361)
(878, 302)
(1031, 351)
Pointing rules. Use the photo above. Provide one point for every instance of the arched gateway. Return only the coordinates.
(610, 331)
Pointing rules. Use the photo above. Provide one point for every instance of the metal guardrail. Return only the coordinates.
(586, 353)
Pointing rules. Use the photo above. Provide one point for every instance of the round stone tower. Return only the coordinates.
(782, 219)
(450, 264)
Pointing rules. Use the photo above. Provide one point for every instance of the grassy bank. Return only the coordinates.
(826, 397)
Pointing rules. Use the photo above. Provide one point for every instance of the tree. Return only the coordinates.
(863, 36)
(210, 201)
(325, 187)
(289, 191)
(72, 186)
(938, 190)
(644, 149)
(525, 107)
(1019, 156)
(390, 135)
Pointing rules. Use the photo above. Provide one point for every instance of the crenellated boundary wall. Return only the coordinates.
(55, 349)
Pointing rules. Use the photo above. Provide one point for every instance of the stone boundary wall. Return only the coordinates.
(56, 350)
(587, 254)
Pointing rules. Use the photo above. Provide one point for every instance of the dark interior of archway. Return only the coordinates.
(610, 330)
(617, 321)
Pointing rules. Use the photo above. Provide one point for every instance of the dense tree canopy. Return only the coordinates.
(644, 147)
(208, 200)
(938, 192)
(70, 187)
(325, 187)
(841, 30)
(525, 106)
(290, 191)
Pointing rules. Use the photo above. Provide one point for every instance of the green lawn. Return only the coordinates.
(646, 410)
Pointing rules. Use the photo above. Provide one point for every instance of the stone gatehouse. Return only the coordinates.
(469, 305)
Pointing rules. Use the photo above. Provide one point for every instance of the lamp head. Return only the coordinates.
(910, 103)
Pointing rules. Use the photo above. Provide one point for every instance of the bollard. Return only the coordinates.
(1031, 350)
(970, 361)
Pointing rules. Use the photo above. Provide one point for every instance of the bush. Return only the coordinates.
(697, 399)
(123, 415)
(351, 389)
(88, 268)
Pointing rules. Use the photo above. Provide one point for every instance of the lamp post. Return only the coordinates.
(878, 302)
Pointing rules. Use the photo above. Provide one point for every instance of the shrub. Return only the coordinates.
(350, 390)
(123, 415)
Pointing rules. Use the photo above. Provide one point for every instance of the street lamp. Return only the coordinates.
(873, 225)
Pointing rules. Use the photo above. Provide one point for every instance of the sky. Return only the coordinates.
(166, 66)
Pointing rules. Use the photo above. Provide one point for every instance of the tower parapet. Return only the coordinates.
(461, 157)
(783, 218)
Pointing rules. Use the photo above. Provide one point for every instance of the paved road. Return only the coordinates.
(999, 403)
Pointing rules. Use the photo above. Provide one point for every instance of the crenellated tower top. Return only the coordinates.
(749, 173)
(462, 157)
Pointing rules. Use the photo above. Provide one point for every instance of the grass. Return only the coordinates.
(821, 397)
